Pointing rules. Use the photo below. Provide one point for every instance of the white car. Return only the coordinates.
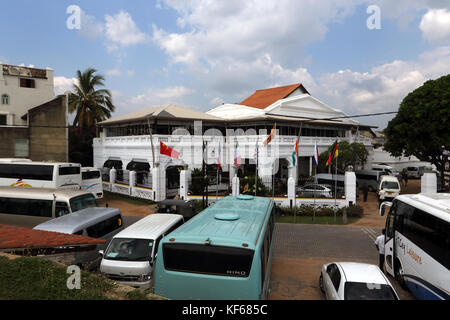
(355, 281)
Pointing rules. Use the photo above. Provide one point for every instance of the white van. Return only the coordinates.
(131, 254)
(388, 188)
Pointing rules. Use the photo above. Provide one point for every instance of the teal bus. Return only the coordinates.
(222, 253)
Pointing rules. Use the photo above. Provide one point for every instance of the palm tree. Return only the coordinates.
(91, 105)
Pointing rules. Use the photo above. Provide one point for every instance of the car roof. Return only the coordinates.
(362, 272)
(78, 220)
(150, 227)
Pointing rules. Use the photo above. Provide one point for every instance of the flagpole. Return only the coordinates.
(256, 168)
(151, 141)
(335, 190)
(297, 171)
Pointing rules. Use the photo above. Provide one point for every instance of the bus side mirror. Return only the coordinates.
(383, 207)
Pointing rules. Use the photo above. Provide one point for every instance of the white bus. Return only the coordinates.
(91, 180)
(28, 173)
(28, 207)
(417, 246)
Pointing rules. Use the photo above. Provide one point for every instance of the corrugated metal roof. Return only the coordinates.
(168, 111)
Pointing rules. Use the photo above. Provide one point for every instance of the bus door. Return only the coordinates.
(389, 243)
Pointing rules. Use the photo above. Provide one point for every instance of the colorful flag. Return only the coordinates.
(237, 156)
(168, 151)
(245, 188)
(316, 155)
(271, 135)
(295, 153)
(333, 154)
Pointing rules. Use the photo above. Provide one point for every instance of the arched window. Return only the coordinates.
(5, 99)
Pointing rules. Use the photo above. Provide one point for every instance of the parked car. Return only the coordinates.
(355, 281)
(388, 188)
(184, 207)
(413, 172)
(369, 177)
(315, 190)
(390, 170)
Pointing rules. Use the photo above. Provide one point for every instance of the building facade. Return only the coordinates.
(227, 132)
(33, 122)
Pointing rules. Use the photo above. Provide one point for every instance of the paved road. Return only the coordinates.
(301, 250)
(317, 241)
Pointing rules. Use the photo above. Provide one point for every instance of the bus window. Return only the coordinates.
(82, 202)
(89, 175)
(28, 207)
(215, 260)
(104, 227)
(64, 171)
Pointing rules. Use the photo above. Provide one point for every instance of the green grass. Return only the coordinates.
(317, 220)
(38, 279)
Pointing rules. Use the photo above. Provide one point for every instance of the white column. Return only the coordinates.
(112, 175)
(350, 187)
(291, 191)
(235, 186)
(184, 184)
(310, 165)
(428, 183)
(159, 183)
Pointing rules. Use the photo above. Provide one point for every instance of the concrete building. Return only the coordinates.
(33, 122)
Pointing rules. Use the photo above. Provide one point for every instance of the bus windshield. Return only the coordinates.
(83, 202)
(207, 259)
(368, 291)
(129, 249)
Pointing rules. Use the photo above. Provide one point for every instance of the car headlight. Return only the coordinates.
(145, 277)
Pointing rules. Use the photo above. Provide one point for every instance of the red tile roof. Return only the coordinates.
(12, 237)
(261, 99)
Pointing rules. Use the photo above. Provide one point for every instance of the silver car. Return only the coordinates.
(315, 190)
(355, 281)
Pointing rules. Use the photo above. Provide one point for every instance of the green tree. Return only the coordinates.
(348, 154)
(91, 105)
(421, 126)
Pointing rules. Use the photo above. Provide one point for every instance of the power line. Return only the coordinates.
(287, 116)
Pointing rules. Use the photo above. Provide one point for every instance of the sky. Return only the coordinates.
(359, 56)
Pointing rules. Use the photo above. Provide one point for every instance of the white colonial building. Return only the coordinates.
(131, 142)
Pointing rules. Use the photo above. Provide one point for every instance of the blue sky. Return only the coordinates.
(200, 53)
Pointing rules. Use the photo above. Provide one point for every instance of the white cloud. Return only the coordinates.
(241, 30)
(122, 31)
(161, 96)
(63, 84)
(383, 87)
(89, 27)
(113, 72)
(435, 26)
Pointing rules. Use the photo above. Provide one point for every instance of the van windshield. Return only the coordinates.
(129, 249)
(82, 202)
(389, 185)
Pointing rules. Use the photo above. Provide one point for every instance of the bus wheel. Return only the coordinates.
(399, 275)
(321, 283)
